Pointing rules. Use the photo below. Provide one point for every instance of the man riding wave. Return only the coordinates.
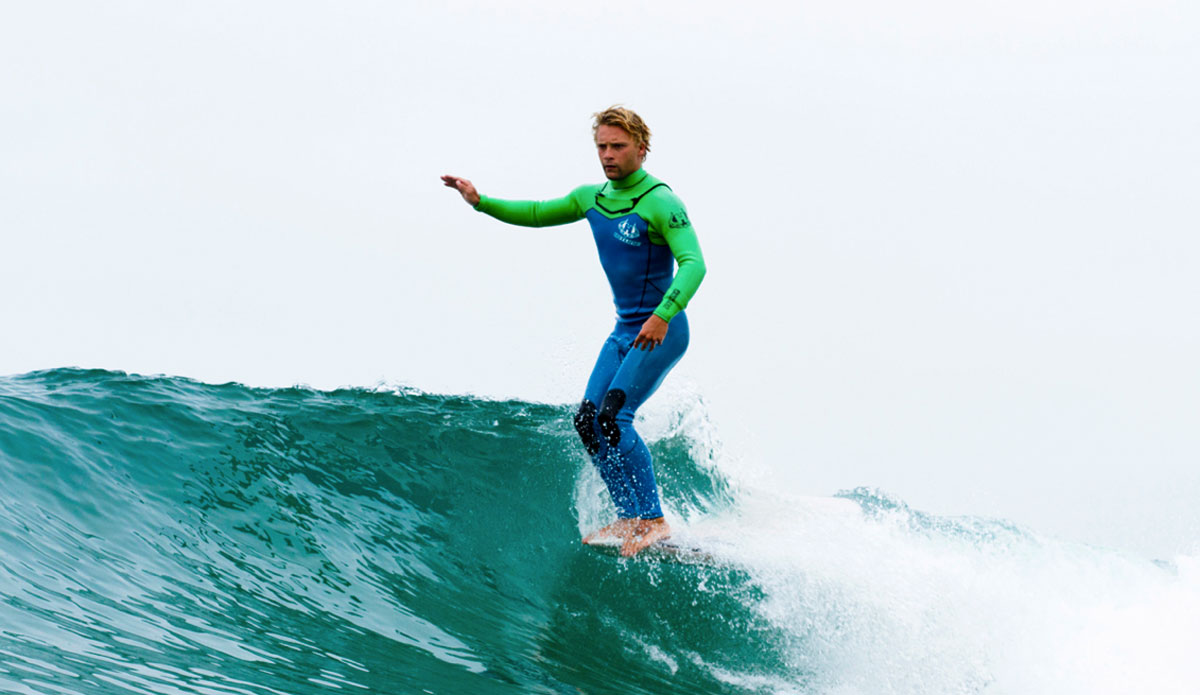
(642, 231)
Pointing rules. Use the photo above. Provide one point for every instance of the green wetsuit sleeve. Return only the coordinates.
(536, 213)
(669, 219)
(686, 249)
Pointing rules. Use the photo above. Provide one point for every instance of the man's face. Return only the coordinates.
(618, 155)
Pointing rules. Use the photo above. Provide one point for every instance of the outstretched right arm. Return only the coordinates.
(527, 213)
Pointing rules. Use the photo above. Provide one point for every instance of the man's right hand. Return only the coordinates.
(465, 188)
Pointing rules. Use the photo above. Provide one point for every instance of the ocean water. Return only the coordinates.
(160, 535)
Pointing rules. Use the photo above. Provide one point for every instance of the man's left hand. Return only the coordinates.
(652, 333)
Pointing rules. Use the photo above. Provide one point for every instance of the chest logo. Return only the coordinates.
(628, 232)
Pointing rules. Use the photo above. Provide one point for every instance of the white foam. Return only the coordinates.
(877, 604)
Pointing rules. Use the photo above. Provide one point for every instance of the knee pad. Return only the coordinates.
(584, 420)
(613, 401)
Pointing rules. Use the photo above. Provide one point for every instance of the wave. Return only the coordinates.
(164, 535)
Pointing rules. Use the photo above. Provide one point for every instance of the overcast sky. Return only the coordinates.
(952, 246)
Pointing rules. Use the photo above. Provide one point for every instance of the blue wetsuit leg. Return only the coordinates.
(621, 381)
(607, 364)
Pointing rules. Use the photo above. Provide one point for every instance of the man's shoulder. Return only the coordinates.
(665, 206)
(584, 195)
(662, 192)
(588, 190)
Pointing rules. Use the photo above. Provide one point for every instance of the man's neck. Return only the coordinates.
(630, 181)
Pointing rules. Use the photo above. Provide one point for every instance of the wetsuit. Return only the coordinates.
(641, 229)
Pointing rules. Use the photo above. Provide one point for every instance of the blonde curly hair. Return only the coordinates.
(626, 120)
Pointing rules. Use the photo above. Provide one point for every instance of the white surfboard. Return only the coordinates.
(674, 549)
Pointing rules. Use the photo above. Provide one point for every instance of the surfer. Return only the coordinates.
(641, 229)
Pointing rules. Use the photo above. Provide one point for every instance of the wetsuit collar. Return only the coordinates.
(630, 181)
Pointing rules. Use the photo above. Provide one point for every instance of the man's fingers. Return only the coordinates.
(645, 343)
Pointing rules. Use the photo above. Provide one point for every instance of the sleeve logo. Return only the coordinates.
(679, 220)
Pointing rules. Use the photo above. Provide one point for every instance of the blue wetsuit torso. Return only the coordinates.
(639, 271)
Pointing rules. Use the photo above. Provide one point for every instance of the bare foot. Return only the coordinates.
(646, 532)
(621, 529)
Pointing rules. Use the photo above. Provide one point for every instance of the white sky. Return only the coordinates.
(953, 246)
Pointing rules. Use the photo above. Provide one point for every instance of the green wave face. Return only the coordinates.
(162, 535)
